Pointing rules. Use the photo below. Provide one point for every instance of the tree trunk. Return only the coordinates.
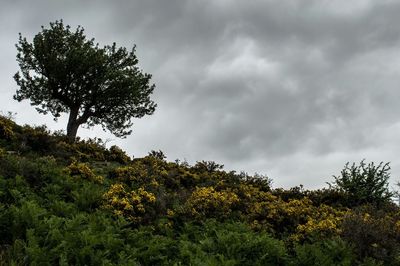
(73, 125)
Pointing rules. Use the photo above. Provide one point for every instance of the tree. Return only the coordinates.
(62, 71)
(366, 183)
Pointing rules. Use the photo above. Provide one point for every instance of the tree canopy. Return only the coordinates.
(366, 183)
(62, 71)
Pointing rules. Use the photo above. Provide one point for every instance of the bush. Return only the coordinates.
(134, 204)
(118, 155)
(323, 222)
(281, 217)
(134, 175)
(328, 252)
(21, 174)
(36, 139)
(6, 128)
(373, 233)
(82, 170)
(80, 240)
(229, 244)
(88, 196)
(365, 183)
(207, 202)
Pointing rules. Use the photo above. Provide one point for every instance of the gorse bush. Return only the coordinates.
(322, 222)
(207, 202)
(82, 170)
(6, 128)
(132, 204)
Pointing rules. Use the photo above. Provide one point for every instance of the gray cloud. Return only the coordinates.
(292, 89)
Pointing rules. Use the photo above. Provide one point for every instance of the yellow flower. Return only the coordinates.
(208, 201)
(170, 213)
(117, 212)
(82, 170)
(131, 204)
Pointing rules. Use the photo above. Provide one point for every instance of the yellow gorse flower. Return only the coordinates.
(131, 204)
(82, 170)
(208, 201)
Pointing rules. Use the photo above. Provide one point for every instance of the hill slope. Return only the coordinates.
(64, 203)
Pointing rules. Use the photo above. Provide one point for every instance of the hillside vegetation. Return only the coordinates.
(79, 203)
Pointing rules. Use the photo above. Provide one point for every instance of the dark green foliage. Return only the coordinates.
(5, 225)
(373, 234)
(118, 155)
(9, 166)
(157, 154)
(33, 141)
(36, 171)
(36, 139)
(297, 192)
(366, 183)
(6, 128)
(231, 241)
(80, 240)
(62, 71)
(264, 183)
(331, 252)
(88, 197)
(328, 196)
(208, 166)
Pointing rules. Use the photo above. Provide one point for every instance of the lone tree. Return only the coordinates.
(62, 71)
(366, 183)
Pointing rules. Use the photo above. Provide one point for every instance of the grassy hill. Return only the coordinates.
(79, 203)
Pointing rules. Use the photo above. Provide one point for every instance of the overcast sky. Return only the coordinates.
(288, 89)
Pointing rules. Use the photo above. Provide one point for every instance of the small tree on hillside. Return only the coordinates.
(63, 71)
(366, 183)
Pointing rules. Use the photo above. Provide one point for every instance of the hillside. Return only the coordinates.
(80, 203)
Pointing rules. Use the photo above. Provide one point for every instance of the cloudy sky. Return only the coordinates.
(288, 89)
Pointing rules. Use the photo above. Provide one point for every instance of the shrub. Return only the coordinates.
(277, 215)
(229, 244)
(328, 196)
(264, 183)
(327, 252)
(80, 240)
(5, 225)
(207, 202)
(118, 155)
(39, 171)
(208, 166)
(148, 248)
(158, 155)
(89, 149)
(132, 204)
(373, 233)
(6, 128)
(296, 192)
(365, 183)
(36, 139)
(26, 215)
(135, 173)
(82, 170)
(88, 196)
(323, 222)
(35, 172)
(9, 165)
